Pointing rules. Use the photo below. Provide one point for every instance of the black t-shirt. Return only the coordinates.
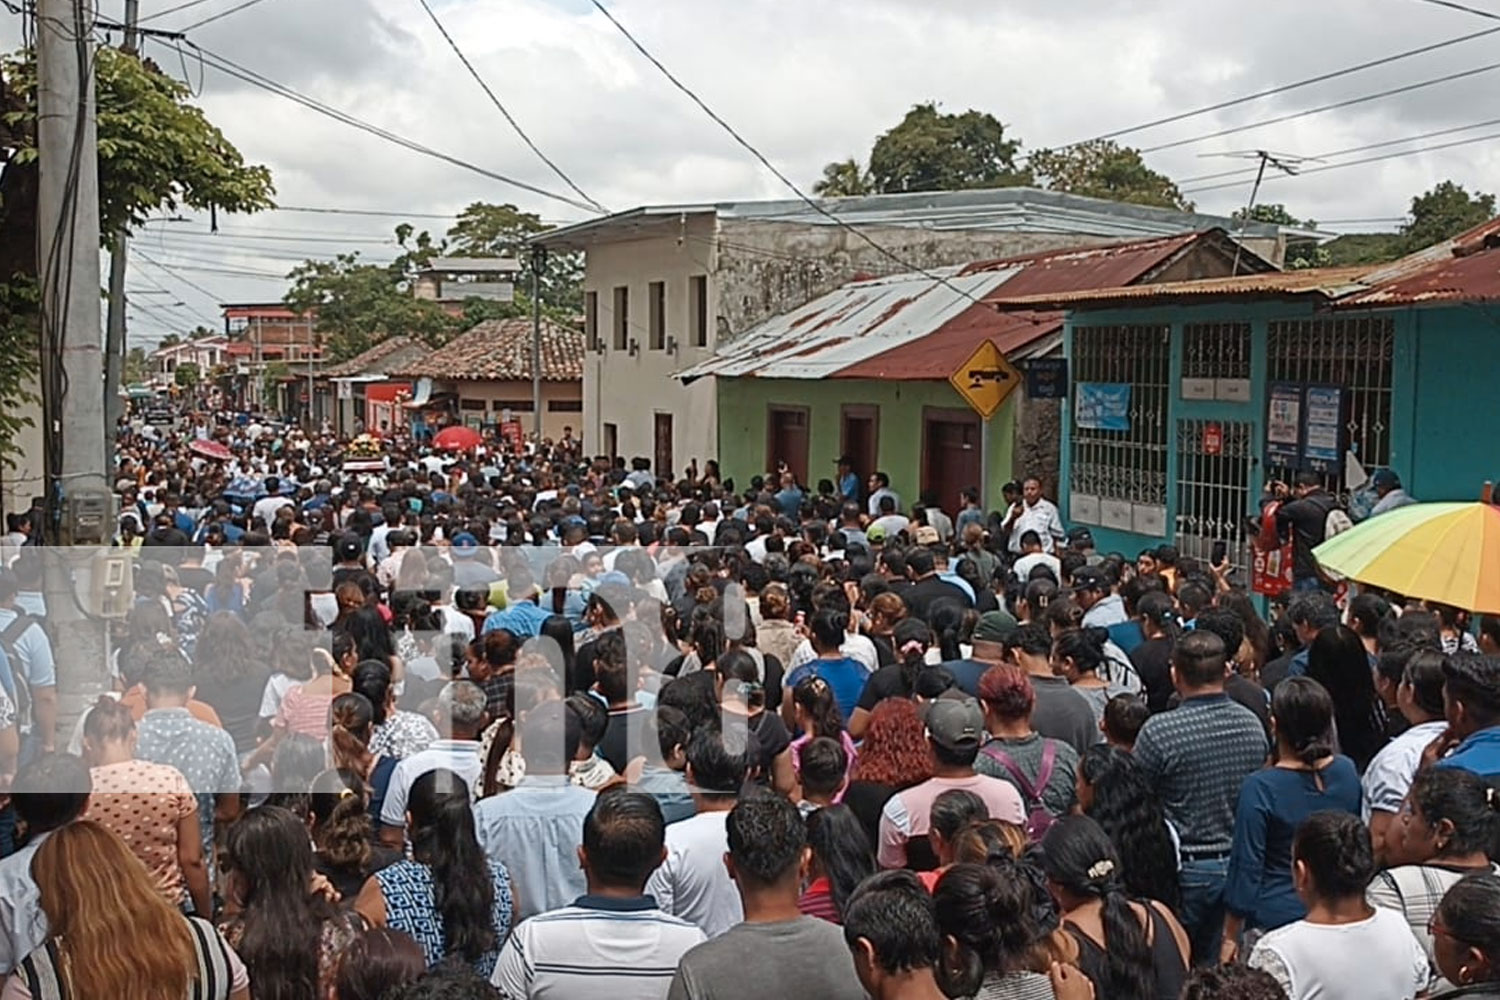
(920, 598)
(194, 578)
(884, 683)
(867, 801)
(967, 673)
(237, 703)
(985, 601)
(349, 881)
(1152, 659)
(1275, 672)
(772, 738)
(623, 736)
(885, 653)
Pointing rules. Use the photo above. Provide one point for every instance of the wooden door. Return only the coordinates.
(787, 439)
(860, 440)
(950, 454)
(663, 445)
(611, 441)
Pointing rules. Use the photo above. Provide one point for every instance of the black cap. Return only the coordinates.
(1090, 578)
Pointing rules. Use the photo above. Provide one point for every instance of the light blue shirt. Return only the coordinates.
(522, 619)
(34, 651)
(535, 830)
(23, 925)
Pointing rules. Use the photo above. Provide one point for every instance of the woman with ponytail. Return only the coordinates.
(344, 851)
(289, 936)
(1305, 777)
(742, 693)
(991, 937)
(1132, 950)
(843, 675)
(817, 715)
(1152, 659)
(911, 639)
(351, 726)
(441, 896)
(1078, 657)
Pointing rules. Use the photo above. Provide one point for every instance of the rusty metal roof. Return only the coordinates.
(849, 325)
(911, 327)
(1463, 269)
(1328, 283)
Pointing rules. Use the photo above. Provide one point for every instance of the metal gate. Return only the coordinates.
(1214, 490)
(1355, 353)
(1129, 465)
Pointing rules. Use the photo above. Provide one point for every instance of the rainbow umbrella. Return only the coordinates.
(1444, 552)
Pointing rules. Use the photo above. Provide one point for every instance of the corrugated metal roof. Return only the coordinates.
(1014, 209)
(1463, 269)
(849, 325)
(1017, 334)
(471, 265)
(1328, 282)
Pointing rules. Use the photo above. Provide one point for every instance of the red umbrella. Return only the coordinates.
(457, 439)
(211, 449)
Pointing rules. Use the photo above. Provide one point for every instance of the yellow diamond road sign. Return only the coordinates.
(985, 379)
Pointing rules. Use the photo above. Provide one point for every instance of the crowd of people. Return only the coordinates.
(540, 725)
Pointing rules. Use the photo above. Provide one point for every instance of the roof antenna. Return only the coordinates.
(1285, 162)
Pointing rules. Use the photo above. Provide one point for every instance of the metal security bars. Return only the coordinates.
(1355, 353)
(1126, 465)
(1216, 350)
(1215, 464)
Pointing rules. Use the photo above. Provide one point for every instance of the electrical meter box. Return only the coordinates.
(89, 516)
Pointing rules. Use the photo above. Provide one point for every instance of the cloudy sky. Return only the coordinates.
(806, 81)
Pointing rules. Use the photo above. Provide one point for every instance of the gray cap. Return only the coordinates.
(955, 724)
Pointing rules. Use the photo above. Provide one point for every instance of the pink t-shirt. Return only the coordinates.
(908, 814)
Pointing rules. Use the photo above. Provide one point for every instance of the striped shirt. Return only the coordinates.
(220, 971)
(624, 949)
(1197, 756)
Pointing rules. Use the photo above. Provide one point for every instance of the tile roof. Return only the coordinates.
(385, 356)
(500, 350)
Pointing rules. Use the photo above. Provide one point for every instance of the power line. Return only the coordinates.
(1239, 172)
(233, 69)
(362, 211)
(173, 10)
(1350, 102)
(1284, 88)
(1467, 10)
(223, 13)
(1356, 163)
(809, 201)
(515, 125)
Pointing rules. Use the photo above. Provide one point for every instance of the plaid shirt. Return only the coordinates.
(1415, 892)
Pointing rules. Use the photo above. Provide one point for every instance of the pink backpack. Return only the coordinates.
(1038, 819)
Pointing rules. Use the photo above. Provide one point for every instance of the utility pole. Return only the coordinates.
(68, 261)
(79, 501)
(538, 261)
(114, 345)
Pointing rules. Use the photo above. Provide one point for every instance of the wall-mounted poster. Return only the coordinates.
(1284, 424)
(1103, 406)
(1323, 436)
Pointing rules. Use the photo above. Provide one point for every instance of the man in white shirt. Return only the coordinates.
(1034, 513)
(692, 882)
(1033, 556)
(614, 941)
(1417, 679)
(889, 524)
(266, 507)
(880, 486)
(460, 714)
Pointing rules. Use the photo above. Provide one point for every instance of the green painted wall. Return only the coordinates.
(744, 403)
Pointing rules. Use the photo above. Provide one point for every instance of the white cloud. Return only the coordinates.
(809, 82)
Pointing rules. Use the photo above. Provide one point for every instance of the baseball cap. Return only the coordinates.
(876, 533)
(348, 548)
(928, 535)
(465, 545)
(614, 578)
(995, 626)
(1081, 537)
(1090, 578)
(1385, 477)
(955, 724)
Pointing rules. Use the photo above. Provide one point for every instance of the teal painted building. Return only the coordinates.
(1402, 363)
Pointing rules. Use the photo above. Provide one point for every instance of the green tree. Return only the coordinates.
(187, 374)
(932, 151)
(1300, 253)
(358, 305)
(1443, 213)
(168, 340)
(137, 366)
(844, 179)
(1102, 168)
(485, 230)
(157, 152)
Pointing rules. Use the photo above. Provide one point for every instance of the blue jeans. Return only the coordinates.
(1202, 911)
